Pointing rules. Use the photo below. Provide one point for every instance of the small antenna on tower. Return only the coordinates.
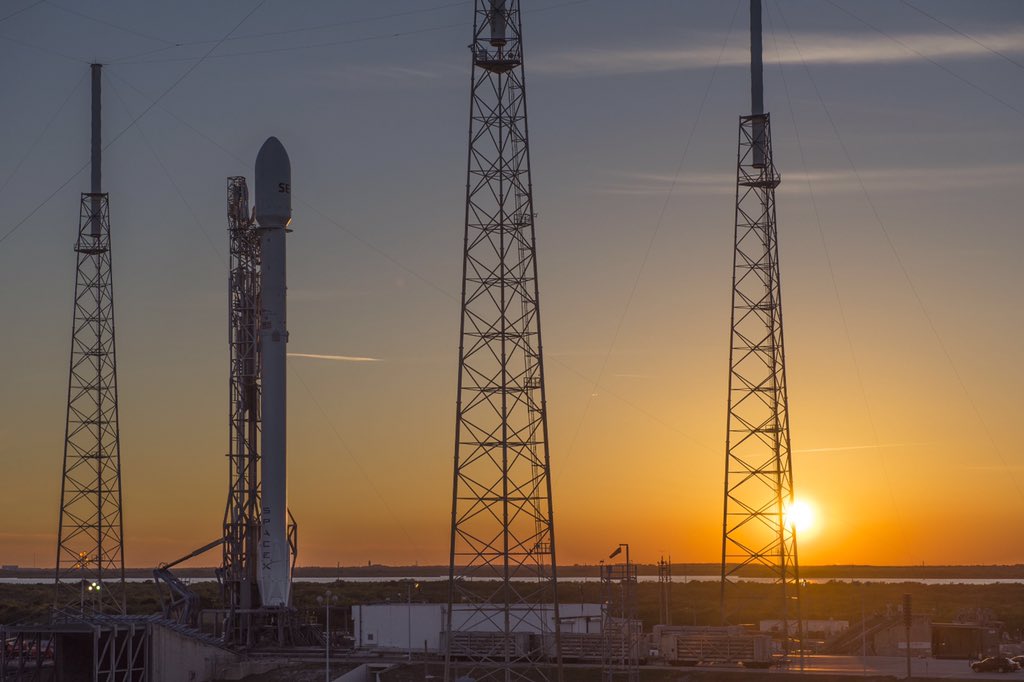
(96, 185)
(756, 63)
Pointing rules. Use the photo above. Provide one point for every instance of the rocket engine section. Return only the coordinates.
(274, 214)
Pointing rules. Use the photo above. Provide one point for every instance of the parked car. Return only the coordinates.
(995, 664)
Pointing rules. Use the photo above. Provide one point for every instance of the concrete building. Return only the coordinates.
(126, 648)
(966, 640)
(892, 639)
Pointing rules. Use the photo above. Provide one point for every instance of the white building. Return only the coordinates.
(828, 628)
(397, 626)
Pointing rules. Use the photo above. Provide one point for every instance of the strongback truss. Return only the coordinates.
(241, 518)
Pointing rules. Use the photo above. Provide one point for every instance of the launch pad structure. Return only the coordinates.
(502, 569)
(260, 540)
(502, 615)
(241, 515)
(756, 532)
(89, 575)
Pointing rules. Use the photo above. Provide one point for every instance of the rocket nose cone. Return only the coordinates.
(272, 160)
(273, 184)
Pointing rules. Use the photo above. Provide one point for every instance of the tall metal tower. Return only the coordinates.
(502, 529)
(90, 552)
(242, 516)
(758, 465)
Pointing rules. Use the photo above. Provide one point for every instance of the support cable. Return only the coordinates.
(330, 43)
(348, 450)
(42, 134)
(903, 268)
(835, 289)
(47, 50)
(653, 237)
(170, 178)
(355, 460)
(422, 278)
(132, 123)
(19, 11)
(923, 56)
(268, 34)
(969, 37)
(109, 24)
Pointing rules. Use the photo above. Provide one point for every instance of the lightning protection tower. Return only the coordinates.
(758, 465)
(90, 552)
(242, 515)
(502, 617)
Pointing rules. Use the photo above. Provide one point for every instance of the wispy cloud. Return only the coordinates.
(846, 448)
(814, 48)
(905, 179)
(335, 358)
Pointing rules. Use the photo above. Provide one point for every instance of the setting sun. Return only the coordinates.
(800, 515)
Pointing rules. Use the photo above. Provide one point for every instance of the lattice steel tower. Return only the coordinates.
(90, 553)
(242, 516)
(502, 529)
(758, 465)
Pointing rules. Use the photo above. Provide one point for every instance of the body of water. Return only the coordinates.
(643, 579)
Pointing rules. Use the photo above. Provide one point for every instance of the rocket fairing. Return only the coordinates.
(273, 213)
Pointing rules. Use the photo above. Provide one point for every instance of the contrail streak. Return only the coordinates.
(337, 358)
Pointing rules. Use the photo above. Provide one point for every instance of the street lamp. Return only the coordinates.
(326, 600)
(410, 586)
(93, 588)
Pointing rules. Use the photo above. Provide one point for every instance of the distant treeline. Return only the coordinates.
(838, 571)
(691, 603)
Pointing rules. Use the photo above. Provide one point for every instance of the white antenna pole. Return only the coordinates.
(756, 65)
(97, 149)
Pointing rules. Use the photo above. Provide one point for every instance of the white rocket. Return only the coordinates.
(273, 213)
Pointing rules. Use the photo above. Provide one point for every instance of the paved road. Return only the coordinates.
(897, 667)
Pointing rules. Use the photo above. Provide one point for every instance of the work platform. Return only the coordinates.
(98, 648)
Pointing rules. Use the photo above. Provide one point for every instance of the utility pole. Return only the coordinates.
(665, 589)
(908, 621)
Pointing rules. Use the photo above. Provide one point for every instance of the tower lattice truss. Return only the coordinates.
(502, 532)
(759, 471)
(90, 558)
(241, 516)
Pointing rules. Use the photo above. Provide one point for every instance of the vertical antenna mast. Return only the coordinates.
(756, 65)
(90, 553)
(758, 464)
(502, 616)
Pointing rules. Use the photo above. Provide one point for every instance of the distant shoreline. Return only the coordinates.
(845, 571)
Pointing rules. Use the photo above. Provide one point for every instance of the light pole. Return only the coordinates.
(326, 600)
(410, 586)
(94, 592)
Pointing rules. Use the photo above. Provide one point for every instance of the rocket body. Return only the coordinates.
(273, 214)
